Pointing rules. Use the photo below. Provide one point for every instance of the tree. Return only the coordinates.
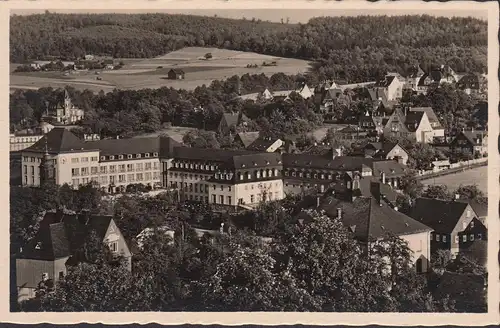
(438, 192)
(471, 192)
(411, 185)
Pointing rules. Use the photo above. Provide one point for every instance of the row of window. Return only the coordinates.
(443, 238)
(115, 168)
(129, 156)
(75, 160)
(122, 178)
(205, 167)
(26, 139)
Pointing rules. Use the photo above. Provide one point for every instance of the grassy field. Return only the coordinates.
(146, 73)
(478, 176)
(175, 132)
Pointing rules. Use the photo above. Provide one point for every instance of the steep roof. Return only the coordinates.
(429, 111)
(441, 215)
(262, 143)
(58, 140)
(412, 120)
(475, 137)
(247, 138)
(177, 71)
(469, 81)
(367, 219)
(125, 146)
(60, 235)
(386, 81)
(233, 119)
(481, 209)
(167, 145)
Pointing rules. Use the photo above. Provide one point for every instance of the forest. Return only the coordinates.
(353, 49)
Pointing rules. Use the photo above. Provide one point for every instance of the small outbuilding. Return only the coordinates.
(176, 74)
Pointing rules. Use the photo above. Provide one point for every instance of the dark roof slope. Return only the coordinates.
(385, 82)
(213, 155)
(58, 140)
(475, 137)
(60, 235)
(247, 138)
(429, 111)
(177, 71)
(262, 144)
(368, 220)
(125, 146)
(441, 215)
(255, 160)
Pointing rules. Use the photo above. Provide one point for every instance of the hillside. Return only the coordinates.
(352, 48)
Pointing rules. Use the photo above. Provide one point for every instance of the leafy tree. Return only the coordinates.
(438, 192)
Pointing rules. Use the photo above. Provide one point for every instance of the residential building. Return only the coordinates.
(246, 138)
(472, 84)
(413, 77)
(387, 150)
(226, 177)
(437, 128)
(363, 209)
(266, 144)
(436, 77)
(231, 120)
(448, 219)
(65, 112)
(176, 74)
(371, 123)
(20, 140)
(390, 88)
(413, 125)
(59, 243)
(474, 143)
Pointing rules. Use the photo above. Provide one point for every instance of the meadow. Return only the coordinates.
(152, 72)
(478, 176)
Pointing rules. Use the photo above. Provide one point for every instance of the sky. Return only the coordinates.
(294, 15)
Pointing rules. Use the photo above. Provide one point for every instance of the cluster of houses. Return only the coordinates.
(362, 190)
(88, 62)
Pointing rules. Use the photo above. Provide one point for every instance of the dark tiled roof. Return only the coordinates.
(247, 138)
(262, 144)
(441, 215)
(60, 235)
(210, 155)
(429, 111)
(125, 146)
(413, 119)
(58, 140)
(254, 160)
(321, 162)
(233, 119)
(177, 71)
(368, 220)
(385, 82)
(391, 168)
(470, 81)
(481, 209)
(475, 137)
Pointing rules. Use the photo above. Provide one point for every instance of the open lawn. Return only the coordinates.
(175, 132)
(478, 176)
(152, 72)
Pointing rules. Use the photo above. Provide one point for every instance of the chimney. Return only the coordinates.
(382, 177)
(339, 212)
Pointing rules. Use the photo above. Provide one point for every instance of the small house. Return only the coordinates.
(176, 74)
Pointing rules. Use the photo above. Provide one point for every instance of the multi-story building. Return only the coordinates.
(225, 177)
(112, 164)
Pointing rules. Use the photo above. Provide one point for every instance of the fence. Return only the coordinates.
(452, 168)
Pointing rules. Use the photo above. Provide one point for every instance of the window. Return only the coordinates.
(38, 245)
(444, 239)
(103, 169)
(456, 239)
(464, 238)
(156, 165)
(229, 188)
(130, 177)
(103, 158)
(472, 224)
(104, 180)
(85, 171)
(214, 199)
(257, 174)
(120, 156)
(229, 200)
(112, 179)
(147, 176)
(61, 275)
(468, 213)
(438, 237)
(471, 237)
(121, 178)
(93, 170)
(112, 169)
(479, 236)
(195, 187)
(148, 166)
(155, 154)
(286, 173)
(111, 157)
(221, 199)
(221, 188)
(139, 177)
(93, 158)
(252, 199)
(139, 166)
(75, 172)
(138, 156)
(113, 247)
(76, 182)
(74, 160)
(85, 159)
(32, 170)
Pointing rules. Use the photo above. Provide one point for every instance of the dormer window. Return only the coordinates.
(155, 154)
(146, 155)
(120, 156)
(257, 174)
(264, 174)
(38, 245)
(103, 158)
(111, 157)
(275, 172)
(217, 175)
(129, 156)
(138, 156)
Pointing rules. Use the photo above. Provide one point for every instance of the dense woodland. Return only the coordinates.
(354, 49)
(234, 272)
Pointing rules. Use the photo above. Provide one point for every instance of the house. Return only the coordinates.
(390, 88)
(231, 120)
(266, 94)
(436, 77)
(371, 220)
(413, 77)
(65, 112)
(176, 74)
(372, 123)
(246, 138)
(23, 139)
(108, 63)
(474, 143)
(448, 219)
(266, 144)
(387, 150)
(413, 125)
(88, 57)
(304, 91)
(351, 133)
(471, 84)
(475, 233)
(437, 128)
(59, 243)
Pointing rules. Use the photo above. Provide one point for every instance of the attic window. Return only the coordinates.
(138, 156)
(111, 157)
(242, 165)
(146, 155)
(120, 156)
(267, 163)
(103, 158)
(155, 154)
(254, 163)
(129, 156)
(38, 245)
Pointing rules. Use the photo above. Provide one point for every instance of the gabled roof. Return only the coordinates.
(387, 81)
(441, 215)
(60, 235)
(167, 145)
(475, 137)
(413, 120)
(481, 209)
(247, 138)
(469, 81)
(233, 119)
(58, 140)
(262, 143)
(391, 168)
(428, 111)
(177, 71)
(368, 220)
